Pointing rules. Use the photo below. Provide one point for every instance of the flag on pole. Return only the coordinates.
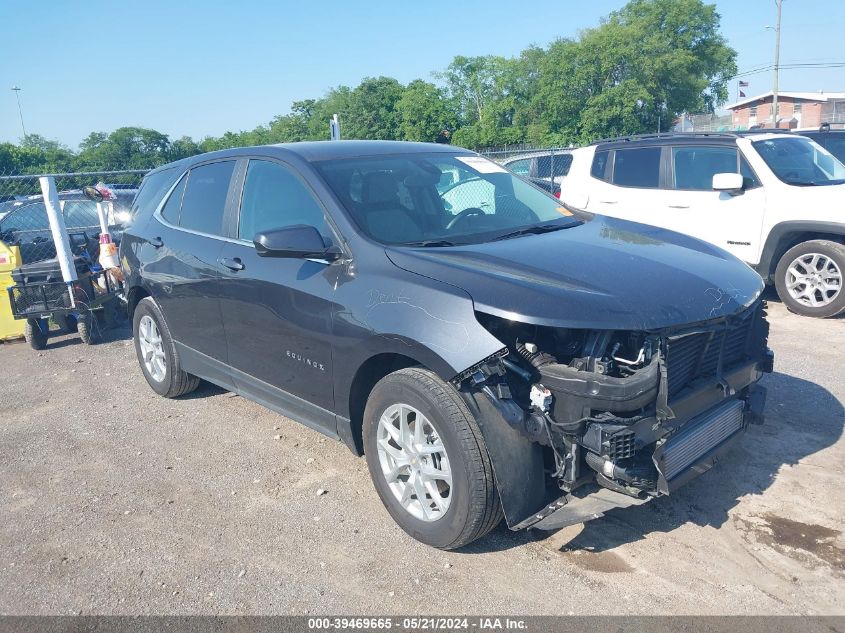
(741, 94)
(743, 84)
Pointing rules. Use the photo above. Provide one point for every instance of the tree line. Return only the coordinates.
(635, 72)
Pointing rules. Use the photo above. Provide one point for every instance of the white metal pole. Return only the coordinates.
(59, 231)
(101, 213)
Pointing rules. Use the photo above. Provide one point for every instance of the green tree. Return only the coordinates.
(636, 72)
(183, 147)
(424, 112)
(370, 110)
(125, 148)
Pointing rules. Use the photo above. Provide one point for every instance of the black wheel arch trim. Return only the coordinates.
(772, 250)
(518, 464)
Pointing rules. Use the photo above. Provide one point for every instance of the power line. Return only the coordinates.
(762, 69)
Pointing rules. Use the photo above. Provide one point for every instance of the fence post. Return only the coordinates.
(59, 231)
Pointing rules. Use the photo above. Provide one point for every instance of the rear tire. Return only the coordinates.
(157, 354)
(473, 502)
(809, 278)
(33, 334)
(88, 328)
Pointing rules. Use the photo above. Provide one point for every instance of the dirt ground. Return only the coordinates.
(116, 501)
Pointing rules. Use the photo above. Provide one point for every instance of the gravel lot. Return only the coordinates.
(113, 500)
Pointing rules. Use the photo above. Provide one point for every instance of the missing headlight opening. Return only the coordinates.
(633, 412)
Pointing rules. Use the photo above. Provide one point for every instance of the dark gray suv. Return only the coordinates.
(491, 352)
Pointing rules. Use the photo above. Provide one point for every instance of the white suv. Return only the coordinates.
(776, 201)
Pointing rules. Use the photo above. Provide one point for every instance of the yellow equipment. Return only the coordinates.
(10, 258)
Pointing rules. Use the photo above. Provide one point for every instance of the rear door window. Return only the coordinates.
(637, 167)
(29, 217)
(204, 200)
(520, 167)
(81, 214)
(559, 164)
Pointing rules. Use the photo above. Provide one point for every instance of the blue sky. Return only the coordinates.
(201, 67)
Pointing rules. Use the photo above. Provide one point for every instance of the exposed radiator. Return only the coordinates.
(693, 356)
(700, 435)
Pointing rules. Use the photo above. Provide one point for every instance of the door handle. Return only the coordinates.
(679, 206)
(155, 242)
(232, 263)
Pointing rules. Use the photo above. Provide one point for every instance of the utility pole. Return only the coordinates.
(17, 92)
(779, 4)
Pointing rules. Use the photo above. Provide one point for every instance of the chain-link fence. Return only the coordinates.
(545, 167)
(23, 214)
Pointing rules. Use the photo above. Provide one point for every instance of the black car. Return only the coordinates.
(490, 351)
(24, 223)
(833, 140)
(549, 185)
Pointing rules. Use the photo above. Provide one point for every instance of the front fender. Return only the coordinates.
(518, 465)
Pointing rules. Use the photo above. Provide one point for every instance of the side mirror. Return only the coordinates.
(92, 193)
(731, 183)
(294, 242)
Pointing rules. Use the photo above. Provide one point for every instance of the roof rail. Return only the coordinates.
(642, 137)
(765, 130)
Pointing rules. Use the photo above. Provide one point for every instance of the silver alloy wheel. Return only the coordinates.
(414, 462)
(813, 280)
(152, 351)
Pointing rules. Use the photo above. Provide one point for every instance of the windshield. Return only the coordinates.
(440, 200)
(800, 161)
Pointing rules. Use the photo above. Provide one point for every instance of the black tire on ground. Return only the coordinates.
(66, 323)
(33, 334)
(836, 255)
(88, 328)
(176, 381)
(474, 507)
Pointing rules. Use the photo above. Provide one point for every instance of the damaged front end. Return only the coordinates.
(613, 418)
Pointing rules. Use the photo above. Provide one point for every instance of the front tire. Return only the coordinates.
(34, 335)
(809, 278)
(88, 328)
(156, 352)
(428, 460)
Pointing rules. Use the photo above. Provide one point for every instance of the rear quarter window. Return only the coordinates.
(599, 167)
(152, 190)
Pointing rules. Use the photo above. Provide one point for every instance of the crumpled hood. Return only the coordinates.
(603, 274)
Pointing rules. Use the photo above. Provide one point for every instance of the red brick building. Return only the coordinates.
(796, 110)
